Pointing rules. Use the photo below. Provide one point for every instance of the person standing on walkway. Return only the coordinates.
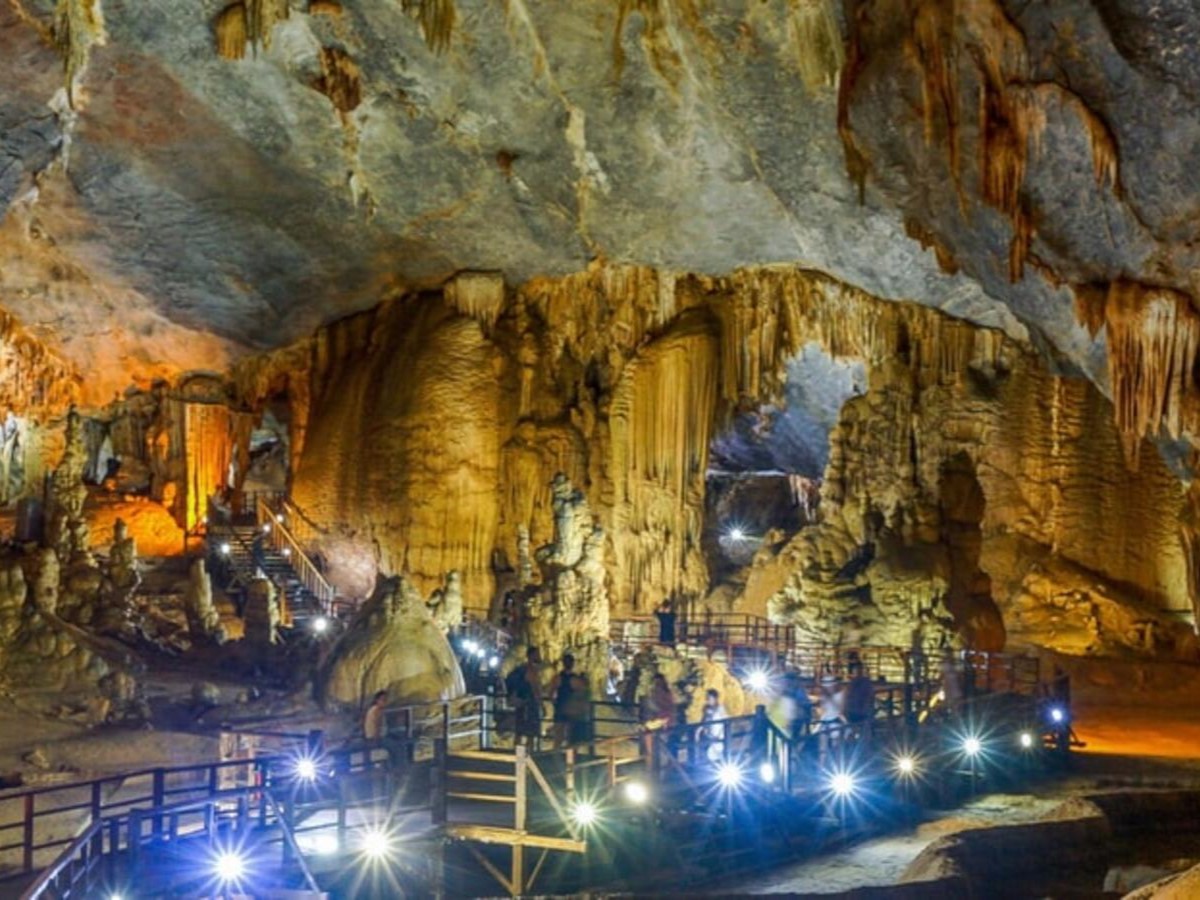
(712, 730)
(570, 692)
(524, 685)
(666, 622)
(658, 710)
(374, 725)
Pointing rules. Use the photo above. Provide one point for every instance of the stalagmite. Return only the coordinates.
(204, 622)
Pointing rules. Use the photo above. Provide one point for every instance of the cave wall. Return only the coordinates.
(1065, 523)
(435, 424)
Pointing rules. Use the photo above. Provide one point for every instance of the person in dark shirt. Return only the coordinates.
(666, 623)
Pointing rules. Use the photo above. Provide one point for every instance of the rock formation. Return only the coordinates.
(263, 617)
(394, 645)
(446, 603)
(569, 611)
(66, 525)
(204, 622)
(36, 649)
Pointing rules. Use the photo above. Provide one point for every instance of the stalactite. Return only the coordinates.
(479, 295)
(818, 40)
(437, 19)
(247, 22)
(33, 382)
(78, 25)
(340, 79)
(1153, 340)
(207, 448)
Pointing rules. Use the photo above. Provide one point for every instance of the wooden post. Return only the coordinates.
(519, 817)
(437, 782)
(135, 834)
(159, 793)
(570, 774)
(95, 802)
(27, 849)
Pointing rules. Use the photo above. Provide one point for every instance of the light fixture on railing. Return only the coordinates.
(229, 866)
(279, 518)
(287, 551)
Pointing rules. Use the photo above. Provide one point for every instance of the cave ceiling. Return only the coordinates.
(190, 206)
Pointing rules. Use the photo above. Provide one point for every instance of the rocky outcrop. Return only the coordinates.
(392, 645)
(536, 138)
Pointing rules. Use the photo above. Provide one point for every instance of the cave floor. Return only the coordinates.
(882, 860)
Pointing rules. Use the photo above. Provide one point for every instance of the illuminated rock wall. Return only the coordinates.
(436, 424)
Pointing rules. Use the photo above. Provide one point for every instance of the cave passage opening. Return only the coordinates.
(765, 469)
(269, 448)
(969, 592)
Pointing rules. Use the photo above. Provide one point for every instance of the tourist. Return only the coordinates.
(952, 682)
(524, 686)
(658, 709)
(566, 685)
(712, 728)
(791, 709)
(832, 699)
(666, 623)
(860, 701)
(374, 723)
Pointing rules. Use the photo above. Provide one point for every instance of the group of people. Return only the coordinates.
(569, 694)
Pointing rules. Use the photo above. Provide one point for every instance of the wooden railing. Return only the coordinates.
(47, 812)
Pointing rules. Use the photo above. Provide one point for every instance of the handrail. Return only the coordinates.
(285, 827)
(310, 575)
(228, 531)
(51, 873)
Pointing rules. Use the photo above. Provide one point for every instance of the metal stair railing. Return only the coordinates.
(219, 534)
(276, 531)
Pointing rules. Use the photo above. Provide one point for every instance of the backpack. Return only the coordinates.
(516, 684)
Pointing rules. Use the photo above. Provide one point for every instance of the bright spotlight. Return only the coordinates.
(758, 680)
(469, 645)
(480, 652)
(493, 662)
(320, 625)
(1057, 715)
(736, 534)
(635, 792)
(842, 784)
(116, 897)
(766, 772)
(584, 814)
(1026, 739)
(971, 746)
(375, 844)
(279, 518)
(229, 866)
(287, 551)
(729, 775)
(266, 527)
(306, 769)
(906, 765)
(225, 548)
